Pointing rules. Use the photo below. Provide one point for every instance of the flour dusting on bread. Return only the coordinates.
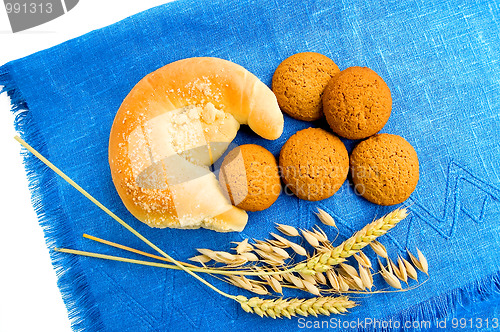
(173, 125)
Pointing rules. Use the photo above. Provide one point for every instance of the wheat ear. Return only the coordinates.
(355, 243)
(278, 308)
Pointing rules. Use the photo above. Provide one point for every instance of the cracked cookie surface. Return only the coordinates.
(299, 82)
(314, 164)
(357, 103)
(384, 169)
(249, 177)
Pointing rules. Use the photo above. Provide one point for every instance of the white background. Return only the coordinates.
(29, 297)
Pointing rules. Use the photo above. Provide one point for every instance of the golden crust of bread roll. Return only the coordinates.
(172, 126)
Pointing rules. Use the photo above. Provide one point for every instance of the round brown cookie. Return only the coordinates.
(384, 169)
(249, 177)
(298, 84)
(314, 164)
(357, 103)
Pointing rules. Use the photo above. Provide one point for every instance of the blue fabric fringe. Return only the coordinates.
(441, 63)
(82, 309)
(446, 306)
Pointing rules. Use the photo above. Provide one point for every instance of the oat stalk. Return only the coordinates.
(326, 218)
(310, 275)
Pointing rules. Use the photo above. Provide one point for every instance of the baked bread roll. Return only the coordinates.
(174, 124)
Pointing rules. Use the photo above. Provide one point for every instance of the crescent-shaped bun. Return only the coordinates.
(174, 124)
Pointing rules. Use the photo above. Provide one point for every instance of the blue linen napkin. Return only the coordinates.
(441, 62)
